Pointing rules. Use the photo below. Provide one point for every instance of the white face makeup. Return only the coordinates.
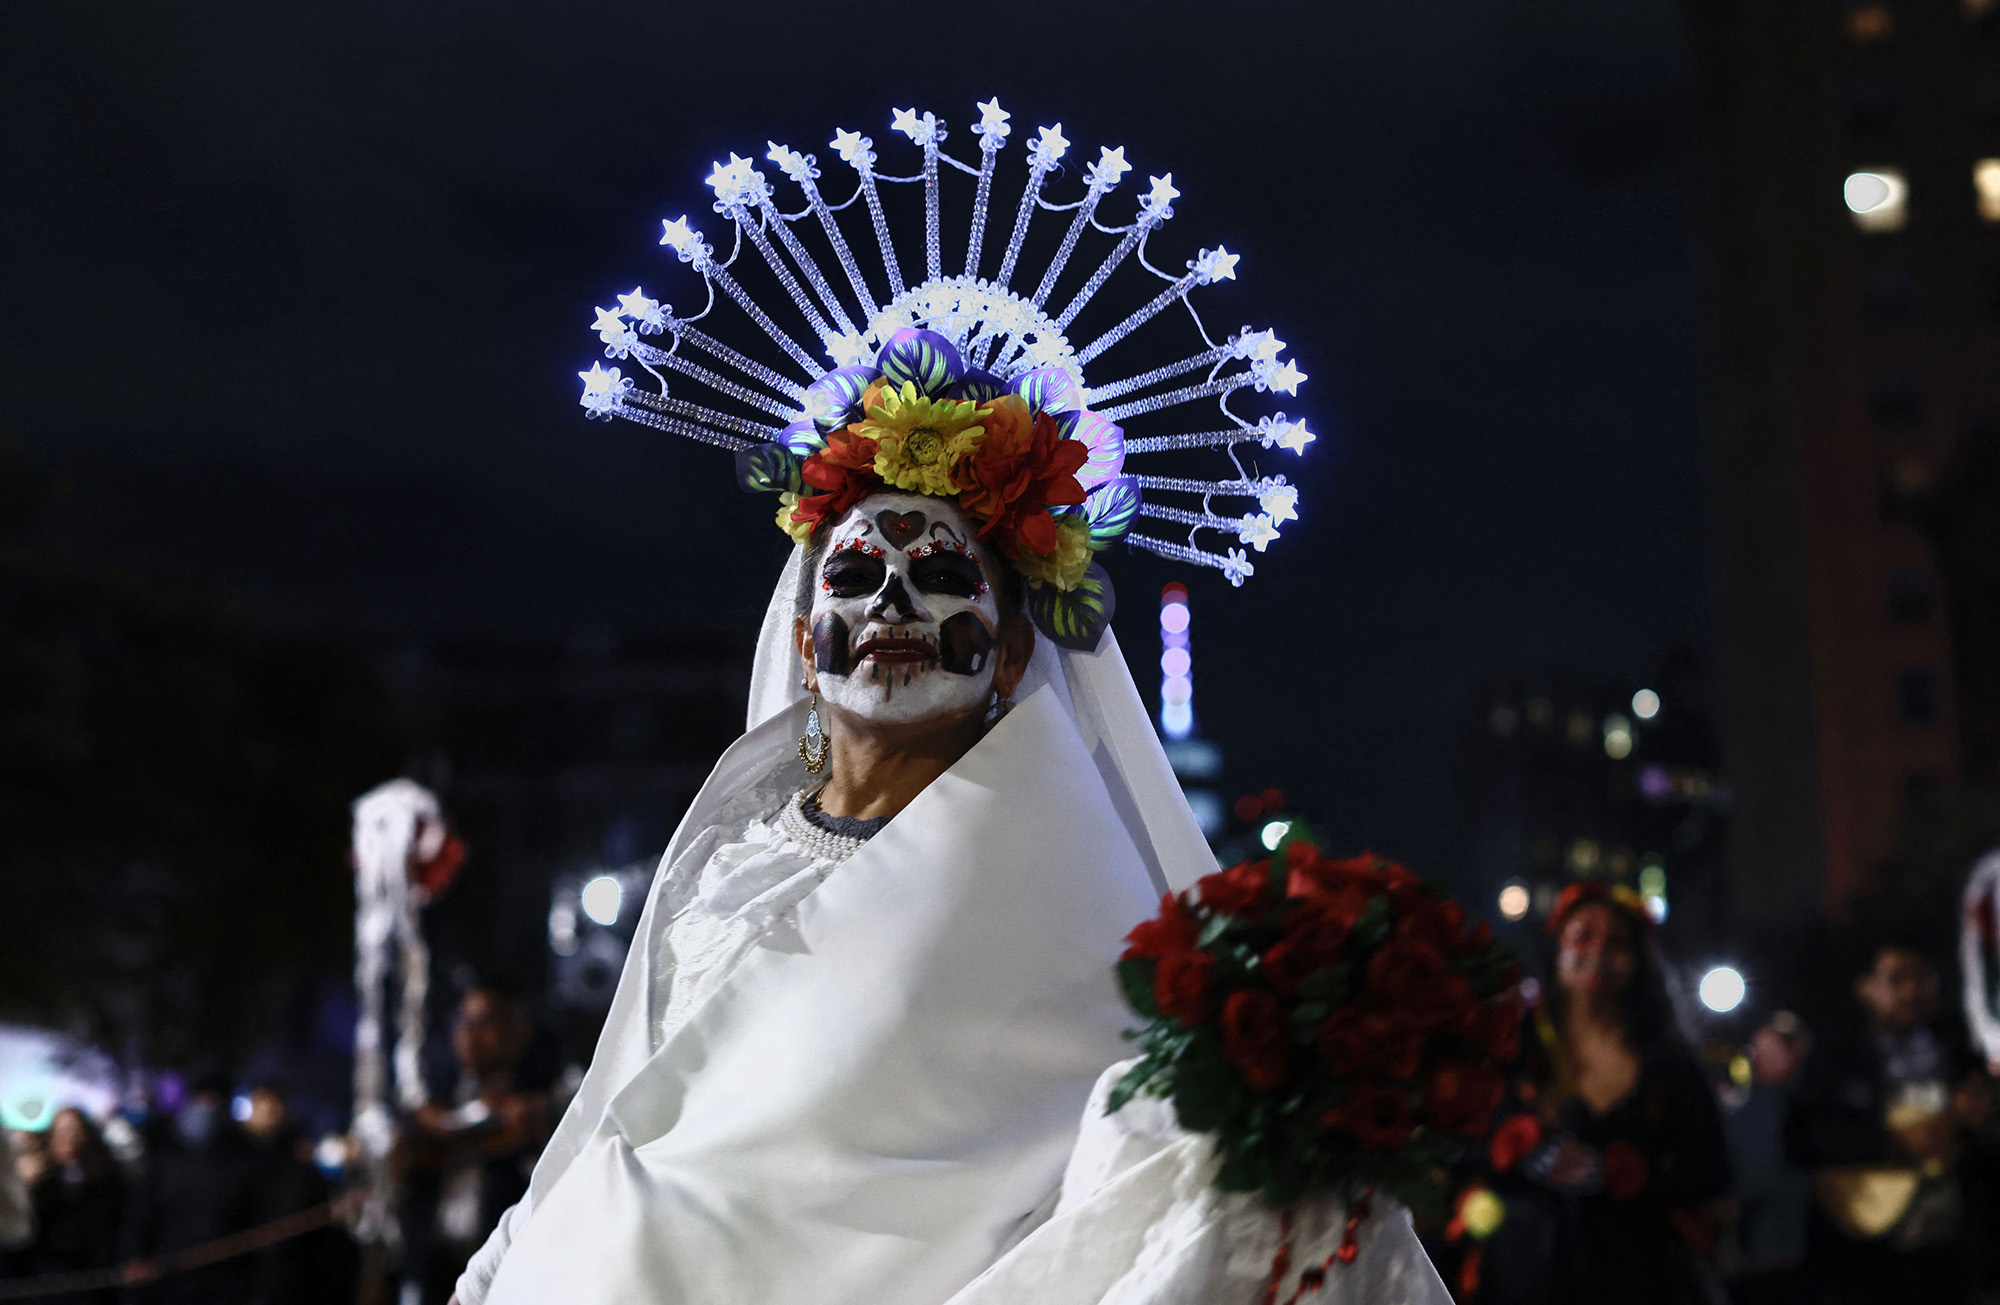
(904, 620)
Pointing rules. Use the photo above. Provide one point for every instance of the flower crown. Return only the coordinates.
(959, 386)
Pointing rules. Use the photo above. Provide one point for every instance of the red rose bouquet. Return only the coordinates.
(1336, 1025)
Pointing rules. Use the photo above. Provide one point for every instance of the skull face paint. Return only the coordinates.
(904, 620)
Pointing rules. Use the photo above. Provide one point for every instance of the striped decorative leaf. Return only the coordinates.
(1047, 389)
(768, 469)
(977, 385)
(1104, 439)
(924, 358)
(1111, 509)
(802, 438)
(1075, 620)
(834, 399)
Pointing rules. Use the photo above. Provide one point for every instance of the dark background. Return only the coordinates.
(294, 299)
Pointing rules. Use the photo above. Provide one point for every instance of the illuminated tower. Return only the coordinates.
(1193, 757)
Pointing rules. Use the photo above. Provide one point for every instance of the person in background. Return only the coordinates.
(203, 1181)
(314, 1268)
(1771, 1193)
(1882, 1120)
(1610, 1155)
(79, 1202)
(467, 1162)
(17, 1216)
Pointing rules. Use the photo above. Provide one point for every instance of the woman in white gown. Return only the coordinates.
(853, 1051)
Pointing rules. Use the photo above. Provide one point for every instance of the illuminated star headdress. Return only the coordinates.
(961, 384)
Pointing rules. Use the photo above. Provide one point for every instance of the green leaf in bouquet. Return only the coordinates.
(1131, 1084)
(1206, 1085)
(1135, 980)
(1372, 928)
(1216, 926)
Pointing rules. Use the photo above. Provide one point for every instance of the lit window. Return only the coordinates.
(1986, 182)
(1870, 22)
(1878, 199)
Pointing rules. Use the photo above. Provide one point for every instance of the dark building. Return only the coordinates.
(1849, 212)
(1566, 779)
(555, 760)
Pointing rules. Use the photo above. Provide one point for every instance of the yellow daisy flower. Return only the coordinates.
(1064, 567)
(921, 441)
(800, 531)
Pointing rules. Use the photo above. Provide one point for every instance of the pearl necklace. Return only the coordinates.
(822, 844)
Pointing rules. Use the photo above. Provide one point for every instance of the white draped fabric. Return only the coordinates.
(874, 1090)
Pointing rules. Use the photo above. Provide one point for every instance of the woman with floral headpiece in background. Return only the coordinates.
(1603, 1163)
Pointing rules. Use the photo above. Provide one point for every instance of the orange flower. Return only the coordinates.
(1023, 469)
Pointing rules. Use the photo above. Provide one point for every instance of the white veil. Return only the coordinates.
(1094, 688)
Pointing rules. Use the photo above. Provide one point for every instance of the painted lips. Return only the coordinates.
(896, 650)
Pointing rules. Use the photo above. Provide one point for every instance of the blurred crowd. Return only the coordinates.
(223, 1163)
(1628, 1164)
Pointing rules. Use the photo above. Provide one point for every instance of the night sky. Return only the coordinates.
(295, 297)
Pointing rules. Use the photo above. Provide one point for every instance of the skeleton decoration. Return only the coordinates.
(404, 855)
(904, 620)
(1979, 954)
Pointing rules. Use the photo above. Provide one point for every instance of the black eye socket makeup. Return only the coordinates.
(850, 573)
(949, 573)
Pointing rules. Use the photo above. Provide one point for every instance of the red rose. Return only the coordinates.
(1254, 1035)
(1495, 1028)
(1181, 985)
(1332, 888)
(1461, 1097)
(1513, 1140)
(1237, 890)
(1377, 1115)
(1174, 930)
(1625, 1171)
(1021, 471)
(1312, 941)
(1441, 924)
(1370, 1042)
(1413, 977)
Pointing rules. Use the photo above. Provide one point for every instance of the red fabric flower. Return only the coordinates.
(1460, 1097)
(1377, 1115)
(1413, 977)
(1172, 931)
(1625, 1170)
(844, 472)
(1238, 890)
(1021, 471)
(1182, 986)
(1312, 941)
(1255, 1036)
(1512, 1141)
(1370, 1042)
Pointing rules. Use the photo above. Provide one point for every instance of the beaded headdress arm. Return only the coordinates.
(960, 385)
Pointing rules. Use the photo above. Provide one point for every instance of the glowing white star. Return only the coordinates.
(1216, 264)
(1285, 378)
(1257, 531)
(645, 313)
(1236, 567)
(601, 389)
(1281, 501)
(610, 327)
(1109, 169)
(854, 148)
(735, 182)
(1289, 435)
(793, 164)
(1050, 146)
(1162, 194)
(993, 122)
(685, 240)
(922, 130)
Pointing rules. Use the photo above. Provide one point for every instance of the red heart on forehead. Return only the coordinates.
(899, 528)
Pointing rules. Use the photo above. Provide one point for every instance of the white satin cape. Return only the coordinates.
(883, 1099)
(877, 1101)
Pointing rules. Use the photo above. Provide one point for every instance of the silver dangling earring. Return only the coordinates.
(998, 711)
(814, 746)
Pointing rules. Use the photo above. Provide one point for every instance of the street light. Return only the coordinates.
(1722, 989)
